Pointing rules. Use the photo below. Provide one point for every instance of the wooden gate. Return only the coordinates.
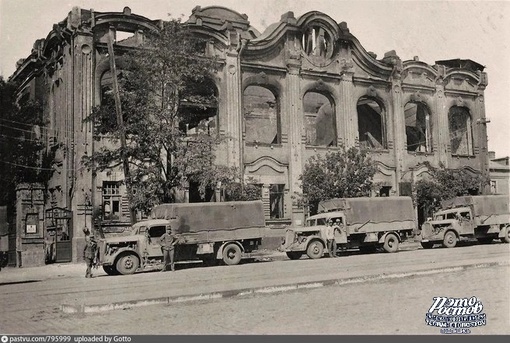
(58, 235)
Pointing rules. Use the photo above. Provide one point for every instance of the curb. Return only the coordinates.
(239, 293)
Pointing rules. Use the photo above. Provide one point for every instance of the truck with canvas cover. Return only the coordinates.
(364, 223)
(484, 217)
(211, 232)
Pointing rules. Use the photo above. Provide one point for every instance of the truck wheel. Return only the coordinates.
(506, 238)
(110, 270)
(294, 255)
(427, 245)
(231, 254)
(315, 250)
(391, 243)
(450, 239)
(127, 264)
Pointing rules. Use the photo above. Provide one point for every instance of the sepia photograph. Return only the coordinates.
(215, 168)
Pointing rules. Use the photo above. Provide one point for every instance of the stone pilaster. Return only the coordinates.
(233, 104)
(347, 126)
(440, 128)
(399, 138)
(295, 114)
(80, 133)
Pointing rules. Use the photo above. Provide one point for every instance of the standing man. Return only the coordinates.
(168, 242)
(89, 254)
(330, 238)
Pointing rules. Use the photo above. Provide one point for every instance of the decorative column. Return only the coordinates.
(398, 119)
(481, 128)
(295, 114)
(233, 99)
(441, 128)
(346, 114)
(79, 134)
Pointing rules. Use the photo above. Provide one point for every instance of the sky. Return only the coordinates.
(432, 30)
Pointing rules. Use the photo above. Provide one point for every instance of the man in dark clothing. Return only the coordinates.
(89, 254)
(168, 242)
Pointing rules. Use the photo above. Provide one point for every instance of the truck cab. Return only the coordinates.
(448, 227)
(310, 238)
(125, 254)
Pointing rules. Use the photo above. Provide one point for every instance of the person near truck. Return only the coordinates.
(90, 254)
(329, 234)
(168, 242)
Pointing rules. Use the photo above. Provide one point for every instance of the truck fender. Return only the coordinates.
(219, 253)
(383, 237)
(315, 238)
(504, 231)
(124, 251)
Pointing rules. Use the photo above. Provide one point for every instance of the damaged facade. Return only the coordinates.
(304, 86)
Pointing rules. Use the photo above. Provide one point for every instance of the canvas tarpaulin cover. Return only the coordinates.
(374, 210)
(196, 217)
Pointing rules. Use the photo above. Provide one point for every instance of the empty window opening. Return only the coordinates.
(371, 130)
(385, 191)
(461, 134)
(276, 201)
(319, 121)
(261, 116)
(198, 108)
(418, 127)
(317, 42)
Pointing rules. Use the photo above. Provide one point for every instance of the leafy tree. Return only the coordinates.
(165, 91)
(345, 173)
(446, 184)
(21, 151)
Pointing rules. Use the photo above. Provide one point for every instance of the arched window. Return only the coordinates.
(461, 131)
(418, 127)
(319, 121)
(261, 116)
(371, 127)
(199, 109)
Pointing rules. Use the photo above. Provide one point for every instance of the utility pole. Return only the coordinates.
(120, 121)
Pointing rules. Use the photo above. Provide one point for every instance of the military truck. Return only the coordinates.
(211, 232)
(365, 223)
(484, 217)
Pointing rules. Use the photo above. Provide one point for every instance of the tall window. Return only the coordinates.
(112, 200)
(199, 108)
(319, 121)
(461, 132)
(261, 116)
(371, 129)
(276, 201)
(418, 127)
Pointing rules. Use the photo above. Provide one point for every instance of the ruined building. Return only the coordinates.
(302, 87)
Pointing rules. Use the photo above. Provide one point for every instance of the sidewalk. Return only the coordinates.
(66, 270)
(9, 275)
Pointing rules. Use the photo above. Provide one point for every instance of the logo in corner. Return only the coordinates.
(456, 315)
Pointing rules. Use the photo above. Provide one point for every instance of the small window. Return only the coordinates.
(111, 200)
(321, 221)
(276, 197)
(157, 231)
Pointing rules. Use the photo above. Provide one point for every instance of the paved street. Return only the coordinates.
(33, 306)
(396, 306)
